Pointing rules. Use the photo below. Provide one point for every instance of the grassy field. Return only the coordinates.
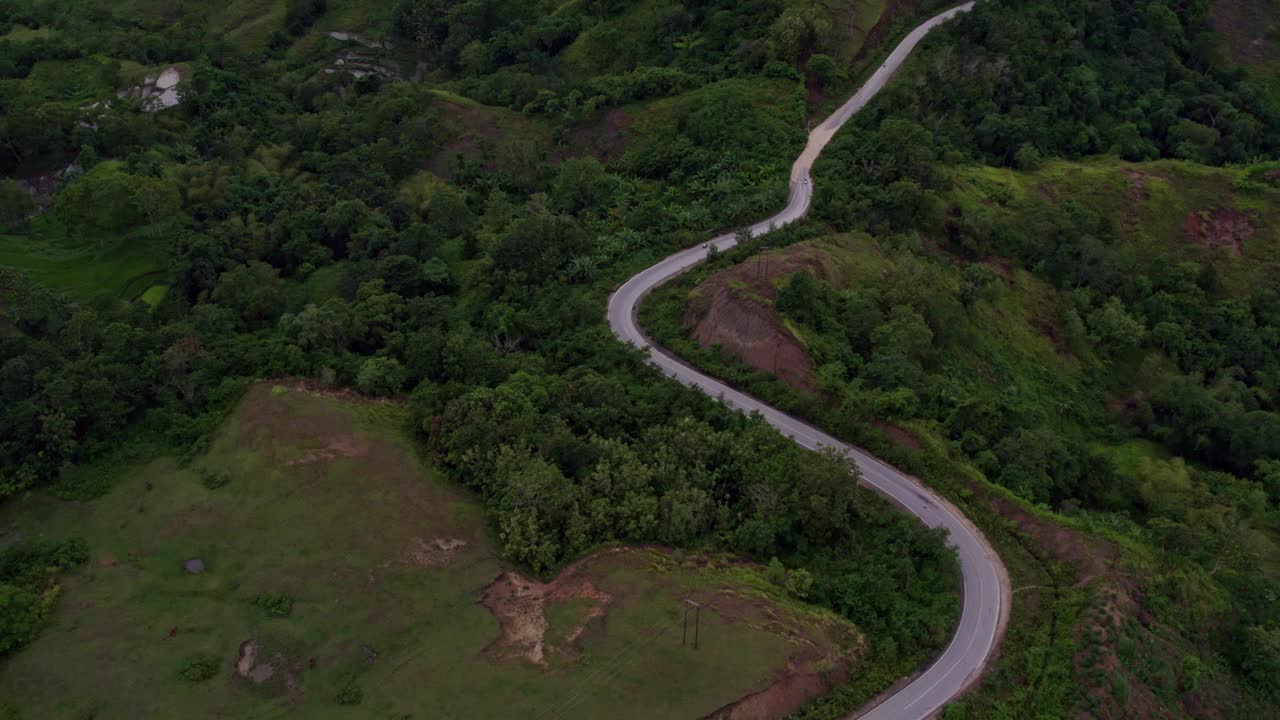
(349, 570)
(83, 270)
(1227, 217)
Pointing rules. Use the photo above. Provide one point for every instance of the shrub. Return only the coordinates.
(381, 376)
(278, 605)
(799, 582)
(15, 203)
(1120, 690)
(301, 14)
(823, 68)
(1027, 157)
(23, 612)
(1126, 648)
(779, 70)
(27, 587)
(29, 563)
(349, 694)
(214, 480)
(1193, 670)
(199, 667)
(777, 572)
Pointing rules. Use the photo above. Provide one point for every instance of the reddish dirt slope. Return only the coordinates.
(734, 309)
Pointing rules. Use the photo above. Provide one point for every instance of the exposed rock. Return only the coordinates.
(352, 37)
(157, 92)
(360, 65)
(248, 667)
(168, 79)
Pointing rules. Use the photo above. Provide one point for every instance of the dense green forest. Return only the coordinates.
(1022, 298)
(437, 210)
(433, 230)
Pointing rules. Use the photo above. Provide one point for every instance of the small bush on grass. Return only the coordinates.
(277, 605)
(199, 667)
(349, 694)
(214, 479)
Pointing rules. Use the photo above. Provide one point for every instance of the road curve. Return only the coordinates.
(986, 598)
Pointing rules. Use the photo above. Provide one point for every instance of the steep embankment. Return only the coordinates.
(733, 310)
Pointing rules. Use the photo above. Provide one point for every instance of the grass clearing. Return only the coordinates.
(22, 33)
(74, 81)
(153, 295)
(82, 270)
(385, 571)
(1226, 217)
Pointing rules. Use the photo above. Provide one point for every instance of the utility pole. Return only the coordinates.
(697, 622)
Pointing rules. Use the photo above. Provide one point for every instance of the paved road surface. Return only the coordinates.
(985, 603)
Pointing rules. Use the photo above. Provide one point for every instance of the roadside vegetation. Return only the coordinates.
(1064, 318)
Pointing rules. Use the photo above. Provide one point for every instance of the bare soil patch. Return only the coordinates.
(1250, 29)
(435, 552)
(1049, 330)
(733, 309)
(820, 661)
(804, 679)
(319, 388)
(520, 605)
(1090, 557)
(604, 136)
(481, 132)
(271, 422)
(899, 436)
(334, 447)
(1219, 228)
(1000, 267)
(1116, 596)
(1138, 195)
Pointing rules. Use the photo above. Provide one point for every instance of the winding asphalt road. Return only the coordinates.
(986, 595)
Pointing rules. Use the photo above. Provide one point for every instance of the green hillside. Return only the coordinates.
(411, 214)
(1042, 273)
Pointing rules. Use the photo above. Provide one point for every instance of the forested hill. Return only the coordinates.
(1043, 262)
(1045, 274)
(428, 202)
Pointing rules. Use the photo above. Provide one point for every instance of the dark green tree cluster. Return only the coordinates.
(571, 461)
(28, 587)
(517, 53)
(1018, 80)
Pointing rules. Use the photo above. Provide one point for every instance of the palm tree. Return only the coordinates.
(582, 268)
